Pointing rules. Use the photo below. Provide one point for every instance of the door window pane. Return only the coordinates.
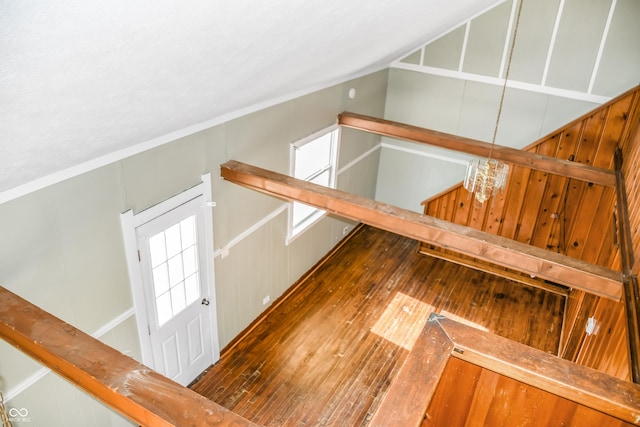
(163, 305)
(192, 288)
(161, 279)
(176, 274)
(174, 258)
(188, 232)
(172, 236)
(158, 249)
(178, 300)
(189, 261)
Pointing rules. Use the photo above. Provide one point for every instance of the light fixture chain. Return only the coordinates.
(506, 76)
(485, 178)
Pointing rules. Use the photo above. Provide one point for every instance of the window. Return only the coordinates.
(174, 260)
(313, 159)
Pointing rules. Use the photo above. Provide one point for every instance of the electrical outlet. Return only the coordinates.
(345, 230)
(593, 326)
(266, 300)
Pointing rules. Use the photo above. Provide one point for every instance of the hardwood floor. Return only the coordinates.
(328, 353)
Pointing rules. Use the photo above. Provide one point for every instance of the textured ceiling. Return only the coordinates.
(84, 79)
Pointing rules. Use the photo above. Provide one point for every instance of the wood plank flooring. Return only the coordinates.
(328, 353)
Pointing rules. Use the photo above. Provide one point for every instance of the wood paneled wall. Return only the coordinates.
(469, 394)
(572, 217)
(631, 162)
(578, 308)
(549, 211)
(457, 376)
(606, 350)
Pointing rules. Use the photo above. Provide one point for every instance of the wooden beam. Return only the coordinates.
(128, 387)
(487, 267)
(630, 282)
(441, 339)
(477, 148)
(413, 388)
(465, 240)
(548, 372)
(632, 137)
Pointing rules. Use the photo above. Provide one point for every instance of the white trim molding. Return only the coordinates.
(224, 251)
(603, 40)
(424, 154)
(358, 159)
(498, 80)
(530, 87)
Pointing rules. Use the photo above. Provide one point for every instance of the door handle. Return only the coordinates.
(205, 301)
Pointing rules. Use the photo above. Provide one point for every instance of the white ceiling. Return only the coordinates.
(84, 79)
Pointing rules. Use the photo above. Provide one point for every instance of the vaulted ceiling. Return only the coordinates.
(81, 80)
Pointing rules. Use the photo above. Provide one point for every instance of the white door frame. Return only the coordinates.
(129, 222)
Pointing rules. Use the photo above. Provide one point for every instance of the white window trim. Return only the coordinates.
(293, 234)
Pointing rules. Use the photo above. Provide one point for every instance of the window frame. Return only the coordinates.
(296, 230)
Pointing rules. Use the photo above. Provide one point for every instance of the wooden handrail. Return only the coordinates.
(478, 148)
(630, 282)
(125, 385)
(508, 253)
(150, 399)
(410, 393)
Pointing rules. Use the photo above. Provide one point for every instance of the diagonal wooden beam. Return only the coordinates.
(128, 387)
(411, 391)
(477, 148)
(443, 341)
(535, 261)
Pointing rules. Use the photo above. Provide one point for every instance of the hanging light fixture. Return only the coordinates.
(487, 177)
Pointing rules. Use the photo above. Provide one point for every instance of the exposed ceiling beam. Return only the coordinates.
(532, 260)
(477, 148)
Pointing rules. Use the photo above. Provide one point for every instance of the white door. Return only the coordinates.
(175, 280)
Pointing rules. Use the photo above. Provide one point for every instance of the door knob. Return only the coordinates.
(205, 301)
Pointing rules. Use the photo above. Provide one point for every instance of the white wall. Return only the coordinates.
(62, 246)
(570, 56)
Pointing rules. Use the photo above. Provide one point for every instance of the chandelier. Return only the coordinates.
(488, 177)
(485, 178)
